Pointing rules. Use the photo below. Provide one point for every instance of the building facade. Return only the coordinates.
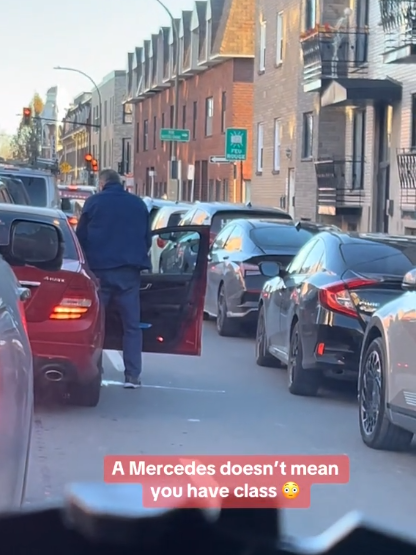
(116, 124)
(75, 139)
(215, 82)
(50, 124)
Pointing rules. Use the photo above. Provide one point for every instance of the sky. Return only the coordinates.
(82, 34)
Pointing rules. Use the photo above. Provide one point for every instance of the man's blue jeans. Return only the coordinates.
(121, 286)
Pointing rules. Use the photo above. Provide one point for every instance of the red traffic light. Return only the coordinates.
(88, 157)
(94, 165)
(27, 112)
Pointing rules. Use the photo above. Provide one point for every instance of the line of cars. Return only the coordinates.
(326, 303)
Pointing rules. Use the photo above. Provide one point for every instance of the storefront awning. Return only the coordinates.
(353, 92)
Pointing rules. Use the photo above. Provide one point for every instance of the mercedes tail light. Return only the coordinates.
(250, 270)
(76, 302)
(337, 297)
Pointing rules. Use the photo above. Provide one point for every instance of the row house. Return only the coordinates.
(210, 60)
(75, 138)
(324, 123)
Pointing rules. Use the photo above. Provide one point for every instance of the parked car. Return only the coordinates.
(218, 214)
(155, 204)
(72, 209)
(41, 185)
(234, 280)
(5, 196)
(166, 216)
(313, 314)
(17, 190)
(387, 378)
(16, 386)
(76, 192)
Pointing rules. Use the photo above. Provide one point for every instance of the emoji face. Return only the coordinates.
(290, 490)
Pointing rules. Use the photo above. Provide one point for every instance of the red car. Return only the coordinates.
(67, 328)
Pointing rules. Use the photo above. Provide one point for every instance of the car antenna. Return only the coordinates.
(249, 205)
(298, 225)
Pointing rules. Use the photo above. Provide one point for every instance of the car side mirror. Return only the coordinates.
(270, 269)
(409, 281)
(36, 244)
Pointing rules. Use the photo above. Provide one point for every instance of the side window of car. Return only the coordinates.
(314, 260)
(235, 240)
(187, 220)
(199, 218)
(221, 238)
(296, 265)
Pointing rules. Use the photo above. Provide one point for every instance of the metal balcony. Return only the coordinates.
(406, 166)
(340, 185)
(398, 18)
(331, 54)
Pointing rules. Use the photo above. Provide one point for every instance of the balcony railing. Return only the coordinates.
(331, 54)
(340, 183)
(406, 166)
(398, 15)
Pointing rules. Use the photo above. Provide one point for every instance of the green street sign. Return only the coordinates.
(177, 135)
(236, 144)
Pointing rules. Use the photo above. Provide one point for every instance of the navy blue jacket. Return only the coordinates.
(114, 230)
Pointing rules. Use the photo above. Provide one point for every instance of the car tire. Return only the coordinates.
(301, 382)
(226, 327)
(263, 357)
(381, 435)
(86, 394)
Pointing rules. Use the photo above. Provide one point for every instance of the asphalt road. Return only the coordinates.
(222, 403)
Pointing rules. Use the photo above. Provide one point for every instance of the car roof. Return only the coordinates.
(76, 188)
(258, 223)
(217, 206)
(176, 206)
(15, 170)
(31, 211)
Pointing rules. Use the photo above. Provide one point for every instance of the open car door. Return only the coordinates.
(172, 299)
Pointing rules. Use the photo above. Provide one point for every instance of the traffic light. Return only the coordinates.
(88, 161)
(27, 116)
(94, 165)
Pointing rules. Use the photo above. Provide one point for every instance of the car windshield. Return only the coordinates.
(374, 257)
(280, 236)
(221, 219)
(36, 188)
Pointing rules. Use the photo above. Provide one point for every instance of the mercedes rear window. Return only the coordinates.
(221, 219)
(70, 250)
(36, 188)
(373, 257)
(280, 236)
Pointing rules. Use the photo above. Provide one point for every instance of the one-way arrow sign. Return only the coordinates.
(218, 160)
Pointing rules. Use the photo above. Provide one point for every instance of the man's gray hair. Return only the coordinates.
(109, 176)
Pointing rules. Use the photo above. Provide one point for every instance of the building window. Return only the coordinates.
(260, 146)
(146, 135)
(279, 38)
(262, 46)
(310, 14)
(172, 113)
(194, 119)
(163, 127)
(137, 137)
(413, 122)
(154, 132)
(358, 149)
(127, 113)
(184, 116)
(223, 111)
(209, 116)
(105, 113)
(276, 145)
(307, 135)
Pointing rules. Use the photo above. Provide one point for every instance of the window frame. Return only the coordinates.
(279, 38)
(277, 140)
(260, 147)
(209, 116)
(262, 46)
(307, 135)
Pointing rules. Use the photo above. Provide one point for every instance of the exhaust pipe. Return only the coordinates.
(53, 375)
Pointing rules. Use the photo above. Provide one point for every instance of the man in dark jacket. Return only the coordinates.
(114, 233)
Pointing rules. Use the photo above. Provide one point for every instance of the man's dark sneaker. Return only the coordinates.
(132, 383)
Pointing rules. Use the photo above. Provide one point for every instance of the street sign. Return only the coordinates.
(178, 135)
(218, 160)
(235, 144)
(191, 172)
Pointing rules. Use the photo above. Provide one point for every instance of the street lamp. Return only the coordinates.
(175, 30)
(100, 108)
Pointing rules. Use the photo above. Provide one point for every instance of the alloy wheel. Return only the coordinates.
(221, 309)
(294, 349)
(260, 339)
(370, 395)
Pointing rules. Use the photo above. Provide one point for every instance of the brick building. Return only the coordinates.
(314, 93)
(216, 51)
(76, 140)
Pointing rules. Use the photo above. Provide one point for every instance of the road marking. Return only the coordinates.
(115, 358)
(106, 383)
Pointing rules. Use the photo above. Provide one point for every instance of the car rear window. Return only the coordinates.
(36, 188)
(18, 191)
(70, 250)
(279, 236)
(221, 219)
(152, 215)
(175, 218)
(379, 258)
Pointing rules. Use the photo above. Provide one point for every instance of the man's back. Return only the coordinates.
(114, 230)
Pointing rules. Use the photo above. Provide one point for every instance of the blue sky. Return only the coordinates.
(36, 36)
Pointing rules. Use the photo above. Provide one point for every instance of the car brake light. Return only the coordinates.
(337, 297)
(250, 270)
(72, 187)
(73, 221)
(23, 315)
(160, 243)
(70, 308)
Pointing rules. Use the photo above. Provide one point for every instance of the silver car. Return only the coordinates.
(387, 376)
